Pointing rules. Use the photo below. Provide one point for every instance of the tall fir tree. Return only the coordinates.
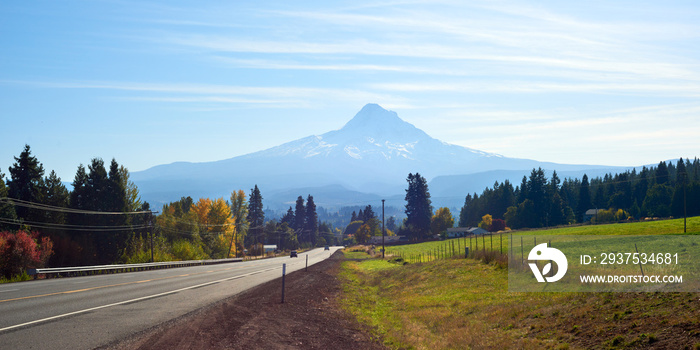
(662, 174)
(584, 198)
(27, 184)
(288, 218)
(256, 213)
(369, 214)
(55, 195)
(310, 221)
(419, 209)
(299, 217)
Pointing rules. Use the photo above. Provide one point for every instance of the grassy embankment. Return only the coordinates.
(462, 303)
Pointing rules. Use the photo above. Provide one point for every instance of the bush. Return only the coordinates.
(20, 251)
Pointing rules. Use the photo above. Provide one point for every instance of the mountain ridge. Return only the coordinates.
(372, 153)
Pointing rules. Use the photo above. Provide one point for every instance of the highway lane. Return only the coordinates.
(92, 311)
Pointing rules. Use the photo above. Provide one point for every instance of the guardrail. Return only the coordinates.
(104, 269)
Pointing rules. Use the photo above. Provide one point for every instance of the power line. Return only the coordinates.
(46, 207)
(46, 225)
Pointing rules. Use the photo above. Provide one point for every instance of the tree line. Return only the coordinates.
(44, 206)
(664, 190)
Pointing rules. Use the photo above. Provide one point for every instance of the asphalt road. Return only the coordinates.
(93, 311)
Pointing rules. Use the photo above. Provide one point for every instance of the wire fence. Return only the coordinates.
(487, 247)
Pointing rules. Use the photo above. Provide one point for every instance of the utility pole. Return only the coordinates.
(150, 226)
(383, 229)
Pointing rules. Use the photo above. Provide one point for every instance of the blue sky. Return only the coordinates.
(153, 82)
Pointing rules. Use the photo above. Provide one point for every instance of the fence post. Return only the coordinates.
(284, 270)
(466, 252)
(522, 252)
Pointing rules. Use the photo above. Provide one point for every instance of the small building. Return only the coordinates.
(269, 248)
(477, 231)
(590, 214)
(454, 232)
(465, 231)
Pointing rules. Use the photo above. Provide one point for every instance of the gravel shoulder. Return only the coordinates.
(310, 318)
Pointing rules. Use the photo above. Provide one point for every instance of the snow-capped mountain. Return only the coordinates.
(373, 153)
(373, 134)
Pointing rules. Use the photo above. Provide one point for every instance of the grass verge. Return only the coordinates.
(464, 304)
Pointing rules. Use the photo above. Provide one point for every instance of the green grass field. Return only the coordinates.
(458, 303)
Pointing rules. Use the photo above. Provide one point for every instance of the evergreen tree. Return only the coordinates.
(353, 217)
(391, 223)
(256, 212)
(55, 195)
(680, 192)
(464, 212)
(7, 211)
(662, 175)
(537, 193)
(658, 200)
(584, 198)
(368, 214)
(419, 210)
(640, 190)
(288, 218)
(310, 221)
(299, 218)
(27, 184)
(96, 193)
(522, 194)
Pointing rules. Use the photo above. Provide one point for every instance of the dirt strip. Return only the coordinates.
(310, 318)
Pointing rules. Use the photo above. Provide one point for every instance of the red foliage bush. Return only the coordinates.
(497, 225)
(20, 251)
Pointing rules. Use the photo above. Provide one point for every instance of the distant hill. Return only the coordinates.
(365, 160)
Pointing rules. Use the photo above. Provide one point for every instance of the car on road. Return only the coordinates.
(327, 248)
(293, 254)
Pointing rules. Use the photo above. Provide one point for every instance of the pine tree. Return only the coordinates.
(419, 210)
(256, 212)
(288, 218)
(7, 211)
(299, 218)
(27, 184)
(662, 173)
(464, 212)
(369, 214)
(311, 221)
(55, 195)
(584, 198)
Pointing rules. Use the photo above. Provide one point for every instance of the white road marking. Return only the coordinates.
(133, 300)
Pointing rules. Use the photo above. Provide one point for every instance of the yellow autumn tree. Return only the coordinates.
(363, 234)
(239, 211)
(441, 221)
(486, 222)
(220, 227)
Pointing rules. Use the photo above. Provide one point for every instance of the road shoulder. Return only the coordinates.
(310, 318)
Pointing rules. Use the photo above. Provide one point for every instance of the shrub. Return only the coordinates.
(20, 251)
